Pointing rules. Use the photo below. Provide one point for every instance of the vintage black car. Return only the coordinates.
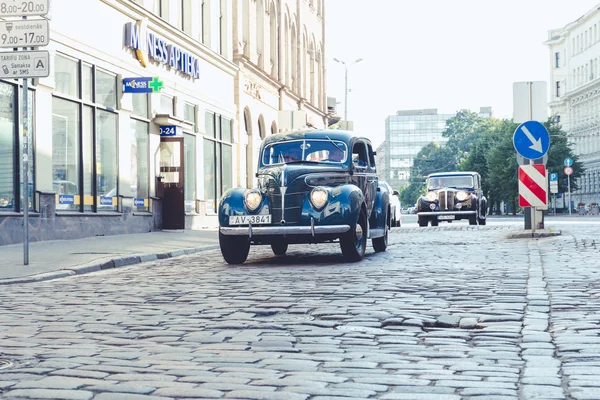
(452, 196)
(314, 186)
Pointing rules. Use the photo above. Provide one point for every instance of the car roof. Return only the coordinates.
(455, 173)
(333, 134)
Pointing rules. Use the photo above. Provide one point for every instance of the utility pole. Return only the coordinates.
(346, 83)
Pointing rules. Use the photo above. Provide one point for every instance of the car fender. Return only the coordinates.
(232, 203)
(343, 207)
(379, 216)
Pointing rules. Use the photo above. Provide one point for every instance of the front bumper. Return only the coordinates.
(270, 230)
(432, 213)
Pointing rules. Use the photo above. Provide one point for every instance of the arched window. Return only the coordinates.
(286, 50)
(260, 33)
(311, 71)
(294, 59)
(274, 36)
(274, 129)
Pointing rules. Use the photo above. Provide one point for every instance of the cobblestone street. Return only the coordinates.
(453, 312)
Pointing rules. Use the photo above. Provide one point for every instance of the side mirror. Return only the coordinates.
(397, 193)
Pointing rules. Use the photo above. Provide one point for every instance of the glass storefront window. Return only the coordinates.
(140, 105)
(140, 174)
(227, 168)
(87, 84)
(189, 114)
(106, 160)
(66, 76)
(106, 89)
(226, 129)
(209, 175)
(87, 139)
(189, 143)
(31, 160)
(7, 135)
(65, 153)
(210, 125)
(166, 105)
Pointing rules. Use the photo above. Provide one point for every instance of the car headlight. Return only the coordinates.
(431, 197)
(252, 199)
(319, 197)
(462, 195)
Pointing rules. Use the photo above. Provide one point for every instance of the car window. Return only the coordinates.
(359, 155)
(438, 182)
(316, 150)
(371, 155)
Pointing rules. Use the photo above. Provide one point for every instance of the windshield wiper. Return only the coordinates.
(333, 143)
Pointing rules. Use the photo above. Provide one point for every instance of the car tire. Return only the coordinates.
(279, 248)
(422, 221)
(399, 223)
(473, 220)
(434, 222)
(481, 221)
(354, 242)
(381, 243)
(234, 249)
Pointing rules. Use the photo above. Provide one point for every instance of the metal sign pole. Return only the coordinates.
(25, 173)
(569, 188)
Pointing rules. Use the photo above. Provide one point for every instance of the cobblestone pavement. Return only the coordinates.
(453, 312)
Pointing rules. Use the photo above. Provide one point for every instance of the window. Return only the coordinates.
(84, 137)
(218, 159)
(557, 60)
(11, 148)
(557, 88)
(189, 114)
(140, 175)
(166, 105)
(189, 144)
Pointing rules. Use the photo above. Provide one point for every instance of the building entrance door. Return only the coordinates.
(171, 171)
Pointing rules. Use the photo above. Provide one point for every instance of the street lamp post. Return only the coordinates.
(346, 83)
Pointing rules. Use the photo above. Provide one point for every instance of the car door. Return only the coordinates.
(362, 173)
(372, 179)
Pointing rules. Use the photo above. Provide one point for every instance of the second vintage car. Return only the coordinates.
(452, 196)
(314, 186)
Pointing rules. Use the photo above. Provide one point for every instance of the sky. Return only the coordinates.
(444, 54)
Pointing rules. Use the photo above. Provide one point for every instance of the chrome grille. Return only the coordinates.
(446, 200)
(274, 195)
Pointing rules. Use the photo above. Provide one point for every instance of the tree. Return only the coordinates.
(432, 158)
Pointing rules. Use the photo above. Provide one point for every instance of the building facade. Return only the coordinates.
(279, 49)
(406, 133)
(108, 157)
(574, 52)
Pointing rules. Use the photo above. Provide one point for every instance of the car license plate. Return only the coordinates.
(250, 219)
(445, 217)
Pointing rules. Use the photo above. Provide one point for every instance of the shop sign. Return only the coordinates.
(142, 85)
(149, 45)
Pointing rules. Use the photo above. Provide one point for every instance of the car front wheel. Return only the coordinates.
(354, 242)
(422, 221)
(234, 249)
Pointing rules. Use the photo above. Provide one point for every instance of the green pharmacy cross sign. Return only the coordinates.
(142, 85)
(155, 84)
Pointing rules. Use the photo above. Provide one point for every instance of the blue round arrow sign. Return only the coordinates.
(531, 140)
(568, 162)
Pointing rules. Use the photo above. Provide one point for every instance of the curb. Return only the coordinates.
(537, 235)
(116, 262)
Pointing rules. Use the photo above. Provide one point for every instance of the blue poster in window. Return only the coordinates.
(138, 202)
(66, 199)
(106, 201)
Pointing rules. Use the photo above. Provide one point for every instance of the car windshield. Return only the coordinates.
(438, 182)
(314, 150)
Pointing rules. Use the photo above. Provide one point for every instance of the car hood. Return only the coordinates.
(284, 175)
(451, 189)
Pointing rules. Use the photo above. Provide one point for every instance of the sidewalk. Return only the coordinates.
(60, 258)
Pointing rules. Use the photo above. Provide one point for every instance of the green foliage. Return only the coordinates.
(485, 145)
